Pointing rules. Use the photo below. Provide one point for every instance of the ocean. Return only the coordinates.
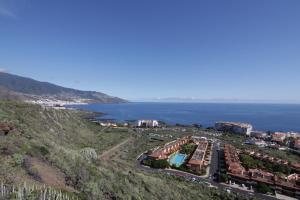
(273, 117)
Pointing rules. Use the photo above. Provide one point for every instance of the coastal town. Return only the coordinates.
(231, 156)
(210, 160)
(207, 159)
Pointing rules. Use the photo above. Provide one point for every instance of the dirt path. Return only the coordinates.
(105, 155)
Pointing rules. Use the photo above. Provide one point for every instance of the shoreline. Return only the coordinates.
(179, 119)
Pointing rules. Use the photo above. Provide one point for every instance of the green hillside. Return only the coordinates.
(60, 149)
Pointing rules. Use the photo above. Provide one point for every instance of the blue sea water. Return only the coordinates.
(274, 117)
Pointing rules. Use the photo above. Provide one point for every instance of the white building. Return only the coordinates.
(257, 142)
(147, 123)
(234, 127)
(108, 124)
(293, 134)
(259, 134)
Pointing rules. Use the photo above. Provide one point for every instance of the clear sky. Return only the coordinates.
(135, 49)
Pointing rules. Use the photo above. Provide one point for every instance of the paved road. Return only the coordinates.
(199, 179)
(214, 164)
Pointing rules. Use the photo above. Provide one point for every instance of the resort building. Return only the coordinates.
(258, 142)
(147, 123)
(169, 148)
(295, 135)
(264, 157)
(232, 160)
(259, 134)
(234, 127)
(278, 137)
(197, 160)
(289, 185)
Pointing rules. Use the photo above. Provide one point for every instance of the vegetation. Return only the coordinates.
(161, 164)
(224, 178)
(188, 148)
(249, 162)
(263, 188)
(158, 164)
(57, 148)
(238, 142)
(24, 192)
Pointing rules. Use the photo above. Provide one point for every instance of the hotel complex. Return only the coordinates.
(288, 185)
(147, 123)
(191, 155)
(234, 127)
(197, 159)
(169, 148)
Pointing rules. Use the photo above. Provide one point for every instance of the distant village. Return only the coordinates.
(50, 102)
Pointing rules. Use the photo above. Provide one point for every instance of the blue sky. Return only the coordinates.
(142, 49)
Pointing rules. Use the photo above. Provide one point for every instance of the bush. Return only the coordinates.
(160, 164)
(263, 188)
(89, 154)
(44, 151)
(224, 178)
(18, 159)
(248, 162)
(188, 148)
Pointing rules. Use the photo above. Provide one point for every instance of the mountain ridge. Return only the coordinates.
(31, 89)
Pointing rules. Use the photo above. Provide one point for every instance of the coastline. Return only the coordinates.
(265, 117)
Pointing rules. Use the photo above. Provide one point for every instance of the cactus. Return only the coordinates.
(34, 192)
(89, 154)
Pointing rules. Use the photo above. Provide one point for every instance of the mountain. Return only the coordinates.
(17, 87)
(7, 94)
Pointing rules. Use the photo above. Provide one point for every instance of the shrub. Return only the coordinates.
(160, 164)
(89, 154)
(44, 151)
(263, 188)
(188, 148)
(224, 178)
(18, 159)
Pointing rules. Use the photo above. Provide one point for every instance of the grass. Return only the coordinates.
(64, 141)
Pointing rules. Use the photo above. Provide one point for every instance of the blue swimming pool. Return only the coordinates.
(177, 159)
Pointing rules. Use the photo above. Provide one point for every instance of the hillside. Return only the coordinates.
(6, 94)
(61, 150)
(32, 89)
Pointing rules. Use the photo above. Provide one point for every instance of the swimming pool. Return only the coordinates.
(177, 159)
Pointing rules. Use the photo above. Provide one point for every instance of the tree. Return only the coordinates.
(160, 164)
(188, 148)
(263, 188)
(224, 178)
